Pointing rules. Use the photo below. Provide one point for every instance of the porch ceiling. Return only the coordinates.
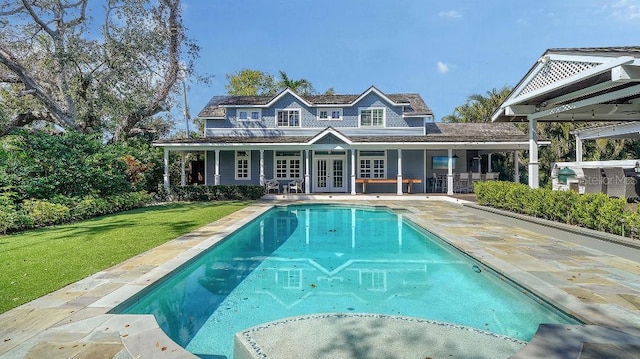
(582, 84)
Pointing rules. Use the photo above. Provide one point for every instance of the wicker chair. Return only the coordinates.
(296, 186)
(619, 185)
(593, 181)
(271, 184)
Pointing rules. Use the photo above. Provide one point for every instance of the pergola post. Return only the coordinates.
(450, 172)
(578, 148)
(534, 182)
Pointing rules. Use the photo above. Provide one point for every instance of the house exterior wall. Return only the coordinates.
(394, 119)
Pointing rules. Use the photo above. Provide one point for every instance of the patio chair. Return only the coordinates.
(619, 185)
(491, 176)
(271, 184)
(593, 181)
(463, 182)
(295, 186)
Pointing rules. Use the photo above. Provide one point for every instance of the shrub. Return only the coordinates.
(216, 193)
(45, 213)
(594, 211)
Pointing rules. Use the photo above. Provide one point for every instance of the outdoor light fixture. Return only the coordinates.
(455, 156)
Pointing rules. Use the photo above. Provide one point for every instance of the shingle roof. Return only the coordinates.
(215, 106)
(435, 132)
(598, 51)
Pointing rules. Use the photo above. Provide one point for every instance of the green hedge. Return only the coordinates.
(42, 213)
(594, 211)
(216, 193)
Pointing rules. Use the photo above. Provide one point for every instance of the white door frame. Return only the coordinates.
(331, 157)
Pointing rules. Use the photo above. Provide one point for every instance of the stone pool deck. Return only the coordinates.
(599, 288)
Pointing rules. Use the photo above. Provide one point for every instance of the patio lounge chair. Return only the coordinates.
(295, 186)
(619, 185)
(271, 184)
(593, 181)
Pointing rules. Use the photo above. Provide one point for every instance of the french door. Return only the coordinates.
(329, 172)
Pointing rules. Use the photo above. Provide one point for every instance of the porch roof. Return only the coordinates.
(438, 135)
(578, 84)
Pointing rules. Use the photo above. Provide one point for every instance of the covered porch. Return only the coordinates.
(331, 162)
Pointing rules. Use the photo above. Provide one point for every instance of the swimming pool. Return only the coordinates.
(300, 260)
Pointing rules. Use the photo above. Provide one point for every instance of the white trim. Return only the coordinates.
(384, 116)
(330, 111)
(249, 113)
(332, 131)
(282, 94)
(298, 110)
(235, 165)
(380, 94)
(604, 67)
(288, 160)
(361, 158)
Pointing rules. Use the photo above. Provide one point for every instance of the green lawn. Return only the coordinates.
(38, 262)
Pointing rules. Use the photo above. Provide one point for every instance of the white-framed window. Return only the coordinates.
(243, 165)
(334, 114)
(372, 164)
(288, 118)
(245, 114)
(371, 117)
(288, 165)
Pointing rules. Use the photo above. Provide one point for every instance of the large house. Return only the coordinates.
(368, 142)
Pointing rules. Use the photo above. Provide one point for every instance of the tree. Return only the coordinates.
(302, 86)
(248, 82)
(479, 108)
(57, 66)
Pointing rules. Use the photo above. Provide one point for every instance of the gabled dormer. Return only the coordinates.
(290, 114)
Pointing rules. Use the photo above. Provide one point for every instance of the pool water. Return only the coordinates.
(299, 260)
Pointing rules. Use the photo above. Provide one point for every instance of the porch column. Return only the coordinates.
(578, 148)
(182, 174)
(424, 172)
(533, 153)
(262, 167)
(166, 170)
(450, 172)
(353, 171)
(516, 167)
(216, 176)
(489, 162)
(307, 181)
(399, 176)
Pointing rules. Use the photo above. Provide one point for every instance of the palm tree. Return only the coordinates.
(302, 86)
(479, 108)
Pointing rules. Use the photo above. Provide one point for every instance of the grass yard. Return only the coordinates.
(41, 261)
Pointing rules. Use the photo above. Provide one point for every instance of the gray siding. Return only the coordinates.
(309, 119)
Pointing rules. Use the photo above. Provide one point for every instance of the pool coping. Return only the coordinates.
(75, 319)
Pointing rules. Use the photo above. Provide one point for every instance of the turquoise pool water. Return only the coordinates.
(300, 260)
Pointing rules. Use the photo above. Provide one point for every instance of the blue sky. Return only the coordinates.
(443, 50)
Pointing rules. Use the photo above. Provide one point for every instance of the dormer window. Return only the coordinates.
(334, 114)
(372, 117)
(288, 118)
(249, 115)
